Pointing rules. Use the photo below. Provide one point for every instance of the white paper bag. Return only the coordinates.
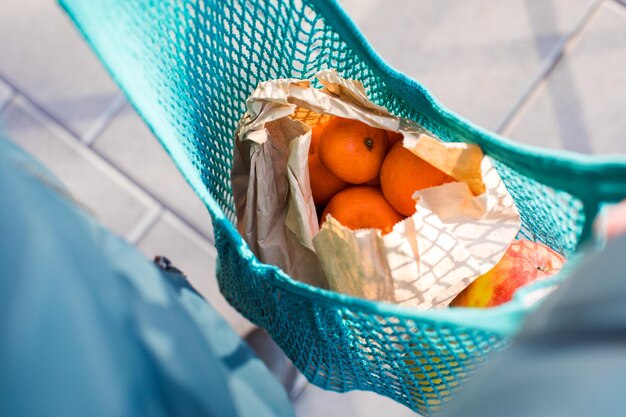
(459, 231)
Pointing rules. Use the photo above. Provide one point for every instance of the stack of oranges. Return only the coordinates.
(364, 177)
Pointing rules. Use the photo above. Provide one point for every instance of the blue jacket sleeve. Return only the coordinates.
(89, 327)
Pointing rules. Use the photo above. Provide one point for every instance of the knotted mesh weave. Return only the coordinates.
(188, 66)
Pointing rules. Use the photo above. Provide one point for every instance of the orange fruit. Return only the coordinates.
(316, 132)
(403, 173)
(375, 182)
(352, 150)
(362, 207)
(393, 137)
(324, 184)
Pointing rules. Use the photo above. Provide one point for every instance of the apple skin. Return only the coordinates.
(616, 220)
(524, 262)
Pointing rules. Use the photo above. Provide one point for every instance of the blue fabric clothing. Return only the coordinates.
(89, 327)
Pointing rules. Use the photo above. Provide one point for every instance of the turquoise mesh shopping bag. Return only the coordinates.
(188, 67)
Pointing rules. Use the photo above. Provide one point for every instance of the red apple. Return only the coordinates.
(523, 263)
(616, 220)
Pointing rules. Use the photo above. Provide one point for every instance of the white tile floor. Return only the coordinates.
(5, 94)
(545, 72)
(108, 194)
(144, 160)
(45, 59)
(476, 56)
(581, 106)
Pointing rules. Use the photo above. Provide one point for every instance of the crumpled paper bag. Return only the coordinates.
(459, 231)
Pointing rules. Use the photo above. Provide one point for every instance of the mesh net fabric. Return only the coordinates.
(188, 67)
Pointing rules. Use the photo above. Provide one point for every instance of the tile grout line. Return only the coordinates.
(104, 120)
(184, 228)
(103, 159)
(41, 109)
(167, 215)
(545, 70)
(113, 110)
(5, 104)
(151, 194)
(144, 225)
(8, 99)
